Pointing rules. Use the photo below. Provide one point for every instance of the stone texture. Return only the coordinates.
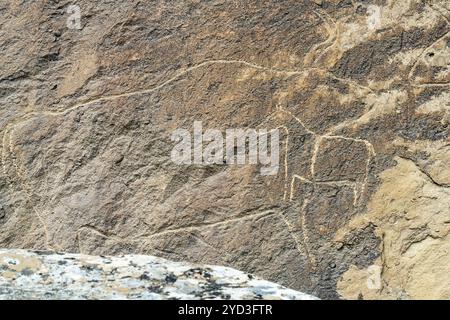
(360, 89)
(44, 275)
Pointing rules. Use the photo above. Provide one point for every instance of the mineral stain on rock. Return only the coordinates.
(359, 90)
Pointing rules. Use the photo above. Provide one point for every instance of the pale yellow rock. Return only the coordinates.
(412, 215)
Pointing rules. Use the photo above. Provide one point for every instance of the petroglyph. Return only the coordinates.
(351, 86)
(93, 102)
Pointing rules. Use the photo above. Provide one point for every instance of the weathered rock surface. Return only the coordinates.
(44, 275)
(360, 89)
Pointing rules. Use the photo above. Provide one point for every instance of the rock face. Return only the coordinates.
(359, 90)
(44, 275)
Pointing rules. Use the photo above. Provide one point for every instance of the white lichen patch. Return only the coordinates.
(47, 275)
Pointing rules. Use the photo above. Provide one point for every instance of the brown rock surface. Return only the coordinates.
(360, 89)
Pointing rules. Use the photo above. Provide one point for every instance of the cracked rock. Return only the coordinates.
(359, 91)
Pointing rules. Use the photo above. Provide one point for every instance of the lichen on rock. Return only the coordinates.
(47, 275)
